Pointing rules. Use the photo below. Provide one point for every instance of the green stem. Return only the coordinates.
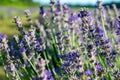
(103, 24)
(44, 53)
(34, 69)
(7, 76)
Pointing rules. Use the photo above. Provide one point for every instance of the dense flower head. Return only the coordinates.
(98, 32)
(117, 26)
(83, 13)
(38, 47)
(71, 62)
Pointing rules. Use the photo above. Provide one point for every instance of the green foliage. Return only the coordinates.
(20, 3)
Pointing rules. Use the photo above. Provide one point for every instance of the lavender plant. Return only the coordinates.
(64, 45)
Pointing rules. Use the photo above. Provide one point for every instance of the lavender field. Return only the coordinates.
(61, 43)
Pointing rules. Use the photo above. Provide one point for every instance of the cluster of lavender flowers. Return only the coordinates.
(64, 45)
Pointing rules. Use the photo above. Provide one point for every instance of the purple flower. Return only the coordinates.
(117, 32)
(48, 75)
(72, 18)
(71, 63)
(41, 10)
(113, 52)
(98, 67)
(89, 47)
(83, 13)
(65, 6)
(117, 25)
(79, 15)
(21, 43)
(38, 47)
(0, 37)
(107, 41)
(98, 32)
(22, 50)
(56, 12)
(4, 36)
(88, 72)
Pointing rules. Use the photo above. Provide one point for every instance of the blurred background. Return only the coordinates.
(11, 8)
(80, 2)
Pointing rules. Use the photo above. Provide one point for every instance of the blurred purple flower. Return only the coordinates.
(48, 75)
(41, 10)
(117, 26)
(22, 50)
(88, 72)
(83, 13)
(98, 67)
(107, 41)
